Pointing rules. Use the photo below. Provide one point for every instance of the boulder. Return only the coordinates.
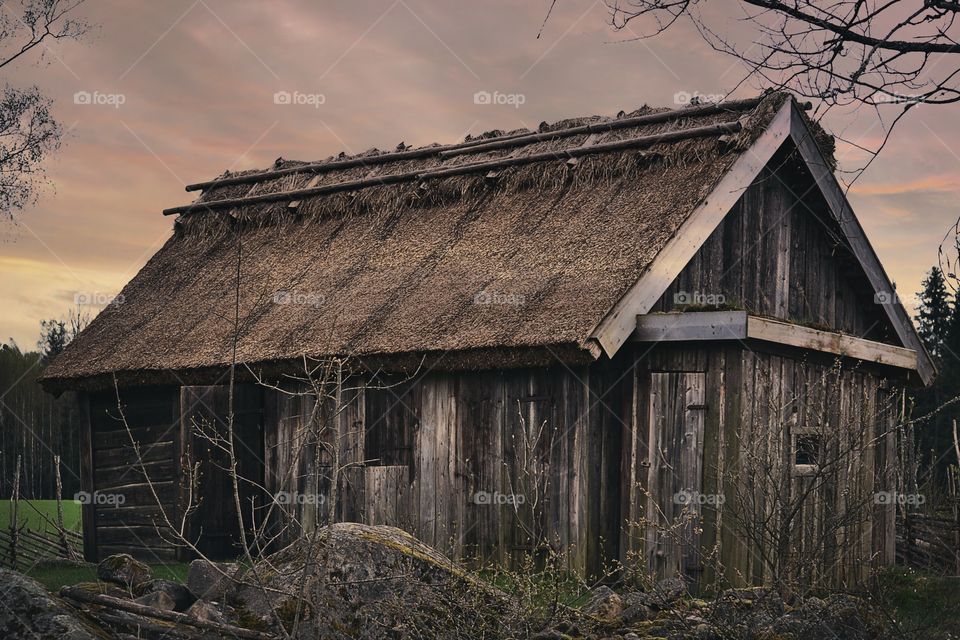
(603, 603)
(157, 600)
(355, 580)
(210, 580)
(636, 607)
(762, 613)
(667, 591)
(182, 596)
(29, 611)
(125, 570)
(203, 610)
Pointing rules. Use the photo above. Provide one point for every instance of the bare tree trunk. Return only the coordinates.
(15, 515)
(65, 545)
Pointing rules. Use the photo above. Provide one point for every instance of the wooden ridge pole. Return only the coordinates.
(562, 154)
(347, 163)
(610, 125)
(481, 145)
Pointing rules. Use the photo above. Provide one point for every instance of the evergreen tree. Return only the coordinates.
(54, 338)
(949, 362)
(938, 324)
(934, 317)
(934, 437)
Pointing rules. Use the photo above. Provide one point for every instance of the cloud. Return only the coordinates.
(198, 85)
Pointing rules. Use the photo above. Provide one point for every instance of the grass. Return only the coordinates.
(540, 588)
(39, 515)
(924, 606)
(54, 575)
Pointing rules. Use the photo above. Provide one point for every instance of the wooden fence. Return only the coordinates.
(21, 547)
(33, 547)
(930, 542)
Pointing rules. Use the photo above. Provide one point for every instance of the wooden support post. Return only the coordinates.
(65, 547)
(87, 487)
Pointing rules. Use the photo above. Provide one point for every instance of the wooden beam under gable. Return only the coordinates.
(705, 325)
(794, 335)
(740, 326)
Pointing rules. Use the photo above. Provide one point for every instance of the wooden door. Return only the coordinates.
(675, 474)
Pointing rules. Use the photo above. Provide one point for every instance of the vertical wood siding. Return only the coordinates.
(756, 402)
(778, 253)
(552, 436)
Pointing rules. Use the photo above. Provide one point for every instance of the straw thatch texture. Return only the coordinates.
(530, 260)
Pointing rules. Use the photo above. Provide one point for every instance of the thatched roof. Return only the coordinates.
(498, 266)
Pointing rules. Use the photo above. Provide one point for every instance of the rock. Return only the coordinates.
(30, 612)
(604, 603)
(203, 610)
(760, 613)
(157, 600)
(369, 580)
(206, 580)
(636, 608)
(667, 591)
(704, 631)
(182, 596)
(124, 570)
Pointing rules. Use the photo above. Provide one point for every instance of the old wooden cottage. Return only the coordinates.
(660, 340)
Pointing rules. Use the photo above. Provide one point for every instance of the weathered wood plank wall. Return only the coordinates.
(762, 515)
(126, 510)
(479, 464)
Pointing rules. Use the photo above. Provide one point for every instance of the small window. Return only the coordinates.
(806, 450)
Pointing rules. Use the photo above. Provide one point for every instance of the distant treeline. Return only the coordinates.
(36, 426)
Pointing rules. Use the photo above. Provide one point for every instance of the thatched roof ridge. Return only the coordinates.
(506, 265)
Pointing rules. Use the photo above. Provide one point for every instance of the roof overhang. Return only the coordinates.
(745, 328)
(619, 324)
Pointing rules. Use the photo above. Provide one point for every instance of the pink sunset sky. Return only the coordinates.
(182, 89)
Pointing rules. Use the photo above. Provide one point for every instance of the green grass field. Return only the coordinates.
(924, 606)
(38, 515)
(56, 575)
